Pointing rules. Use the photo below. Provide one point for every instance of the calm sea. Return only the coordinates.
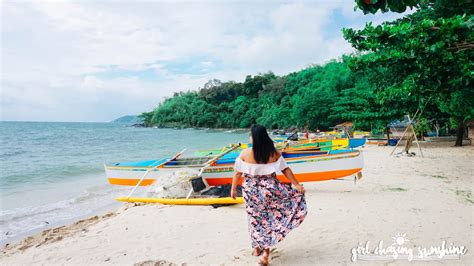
(52, 173)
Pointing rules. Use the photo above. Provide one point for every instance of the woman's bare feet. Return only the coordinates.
(265, 258)
(257, 252)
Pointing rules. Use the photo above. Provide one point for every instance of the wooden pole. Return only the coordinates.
(398, 142)
(151, 169)
(404, 132)
(410, 125)
(416, 138)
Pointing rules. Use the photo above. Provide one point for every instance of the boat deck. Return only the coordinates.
(190, 161)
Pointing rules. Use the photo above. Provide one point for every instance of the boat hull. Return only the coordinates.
(306, 169)
(354, 143)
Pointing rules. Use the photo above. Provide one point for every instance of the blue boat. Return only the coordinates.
(354, 143)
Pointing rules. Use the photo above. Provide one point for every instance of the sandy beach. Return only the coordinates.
(428, 199)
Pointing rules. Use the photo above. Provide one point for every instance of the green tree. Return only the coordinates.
(147, 116)
(425, 56)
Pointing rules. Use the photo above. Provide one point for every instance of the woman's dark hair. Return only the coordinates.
(262, 146)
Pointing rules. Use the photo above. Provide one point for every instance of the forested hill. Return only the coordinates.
(316, 97)
(419, 64)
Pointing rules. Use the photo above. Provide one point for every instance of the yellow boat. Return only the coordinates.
(327, 145)
(190, 201)
(340, 143)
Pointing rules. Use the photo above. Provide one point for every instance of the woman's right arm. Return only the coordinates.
(286, 171)
(235, 181)
(237, 175)
(290, 176)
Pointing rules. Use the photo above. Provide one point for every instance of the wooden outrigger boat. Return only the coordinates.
(354, 143)
(326, 145)
(301, 145)
(308, 166)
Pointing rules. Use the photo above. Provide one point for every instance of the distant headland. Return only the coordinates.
(132, 120)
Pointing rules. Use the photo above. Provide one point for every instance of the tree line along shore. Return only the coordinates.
(420, 64)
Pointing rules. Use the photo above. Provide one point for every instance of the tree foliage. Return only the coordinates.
(300, 99)
(425, 57)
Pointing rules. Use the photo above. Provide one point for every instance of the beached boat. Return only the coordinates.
(300, 145)
(354, 143)
(308, 166)
(326, 145)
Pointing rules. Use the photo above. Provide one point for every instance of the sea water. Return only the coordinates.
(52, 173)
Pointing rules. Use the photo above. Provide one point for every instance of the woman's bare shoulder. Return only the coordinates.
(275, 157)
(245, 154)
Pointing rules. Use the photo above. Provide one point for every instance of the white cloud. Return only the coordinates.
(55, 54)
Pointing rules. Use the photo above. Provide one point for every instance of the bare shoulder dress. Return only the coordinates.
(273, 208)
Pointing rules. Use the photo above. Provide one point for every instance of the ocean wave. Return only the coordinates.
(7, 216)
(10, 153)
(19, 221)
(98, 192)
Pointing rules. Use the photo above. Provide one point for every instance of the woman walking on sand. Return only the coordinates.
(273, 208)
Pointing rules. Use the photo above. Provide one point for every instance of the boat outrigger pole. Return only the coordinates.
(211, 161)
(152, 169)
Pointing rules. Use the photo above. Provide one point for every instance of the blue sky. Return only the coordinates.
(88, 61)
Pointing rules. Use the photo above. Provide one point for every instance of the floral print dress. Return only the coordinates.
(273, 208)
